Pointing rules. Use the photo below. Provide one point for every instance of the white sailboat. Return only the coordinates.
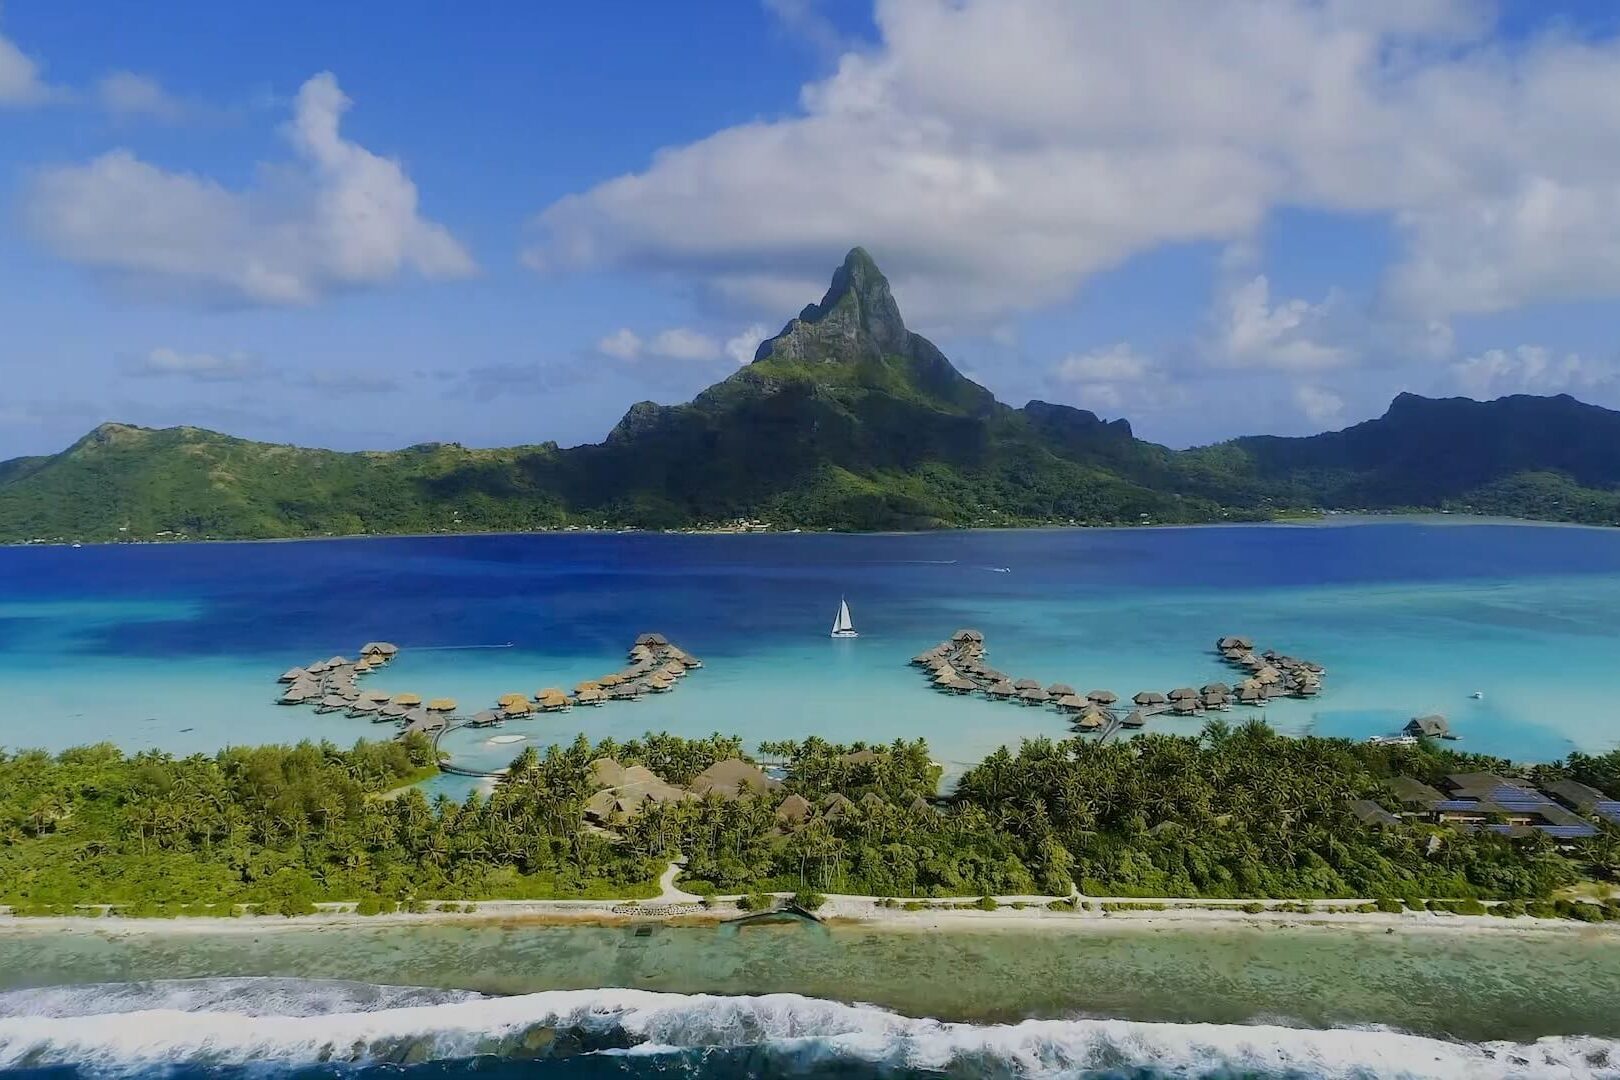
(843, 626)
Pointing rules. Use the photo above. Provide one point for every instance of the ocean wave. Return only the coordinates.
(227, 1023)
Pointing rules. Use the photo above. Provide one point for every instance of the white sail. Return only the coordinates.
(843, 625)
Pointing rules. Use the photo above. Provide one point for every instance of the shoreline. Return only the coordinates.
(1327, 519)
(838, 913)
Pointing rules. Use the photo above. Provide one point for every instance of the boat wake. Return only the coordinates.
(220, 1026)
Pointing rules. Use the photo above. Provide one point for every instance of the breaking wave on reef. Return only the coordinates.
(294, 1028)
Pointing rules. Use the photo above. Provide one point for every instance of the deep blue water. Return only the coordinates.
(178, 645)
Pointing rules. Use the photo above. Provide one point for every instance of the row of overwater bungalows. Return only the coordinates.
(960, 665)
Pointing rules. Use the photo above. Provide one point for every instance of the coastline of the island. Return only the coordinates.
(1311, 519)
(867, 913)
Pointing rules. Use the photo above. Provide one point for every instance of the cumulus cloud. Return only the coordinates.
(994, 156)
(337, 217)
(1287, 335)
(1115, 379)
(681, 343)
(1531, 369)
(622, 344)
(126, 94)
(674, 343)
(1319, 404)
(197, 366)
(21, 81)
(742, 346)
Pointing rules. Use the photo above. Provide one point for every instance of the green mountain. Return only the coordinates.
(1524, 456)
(845, 419)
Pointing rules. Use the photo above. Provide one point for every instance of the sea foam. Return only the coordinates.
(122, 1029)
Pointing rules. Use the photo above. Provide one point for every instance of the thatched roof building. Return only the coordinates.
(731, 778)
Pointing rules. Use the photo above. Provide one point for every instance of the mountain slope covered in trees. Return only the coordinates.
(846, 419)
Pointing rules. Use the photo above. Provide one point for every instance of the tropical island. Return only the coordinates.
(845, 420)
(1231, 814)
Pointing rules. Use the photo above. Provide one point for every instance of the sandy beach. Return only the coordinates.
(939, 915)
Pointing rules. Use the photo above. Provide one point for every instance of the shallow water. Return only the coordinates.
(1112, 1001)
(178, 646)
(1468, 986)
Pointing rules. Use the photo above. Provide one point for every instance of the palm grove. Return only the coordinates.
(1232, 812)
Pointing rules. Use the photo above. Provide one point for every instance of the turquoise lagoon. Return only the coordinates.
(178, 646)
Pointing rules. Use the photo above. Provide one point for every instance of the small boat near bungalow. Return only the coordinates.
(843, 625)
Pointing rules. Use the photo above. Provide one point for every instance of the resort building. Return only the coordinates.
(1585, 799)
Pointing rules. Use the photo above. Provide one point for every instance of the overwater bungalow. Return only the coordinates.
(332, 703)
(363, 707)
(393, 711)
(1090, 720)
(442, 704)
(317, 668)
(1102, 697)
(963, 637)
(1235, 641)
(1034, 695)
(1002, 689)
(1434, 726)
(484, 718)
(378, 696)
(1145, 698)
(1026, 684)
(590, 695)
(652, 640)
(1214, 701)
(959, 685)
(1070, 702)
(292, 675)
(1185, 706)
(384, 650)
(293, 696)
(1251, 695)
(1134, 719)
(410, 699)
(1215, 688)
(588, 684)
(610, 680)
(674, 669)
(520, 707)
(1183, 693)
(1058, 690)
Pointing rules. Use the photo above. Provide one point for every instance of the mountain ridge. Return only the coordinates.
(844, 419)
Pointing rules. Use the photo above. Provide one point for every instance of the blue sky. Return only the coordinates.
(367, 226)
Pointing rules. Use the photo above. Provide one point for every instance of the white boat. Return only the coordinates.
(842, 626)
(1393, 740)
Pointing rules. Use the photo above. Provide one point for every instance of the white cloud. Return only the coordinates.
(1531, 369)
(126, 94)
(198, 367)
(21, 83)
(1117, 363)
(993, 156)
(746, 342)
(681, 343)
(1115, 379)
(1286, 335)
(674, 343)
(338, 217)
(622, 344)
(1319, 404)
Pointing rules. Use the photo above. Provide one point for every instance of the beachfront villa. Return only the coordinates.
(1493, 803)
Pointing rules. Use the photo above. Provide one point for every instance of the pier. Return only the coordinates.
(959, 665)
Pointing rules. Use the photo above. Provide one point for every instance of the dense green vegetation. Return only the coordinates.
(845, 420)
(1238, 812)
